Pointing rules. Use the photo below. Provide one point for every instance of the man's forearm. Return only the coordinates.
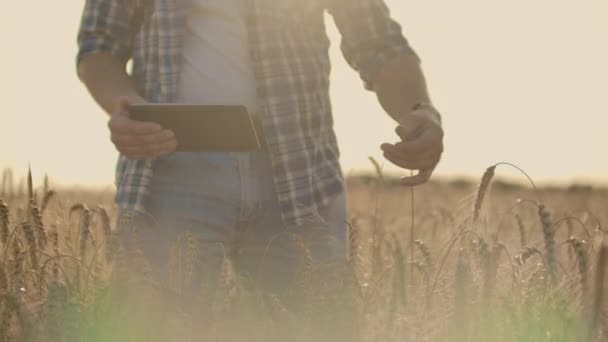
(400, 85)
(106, 79)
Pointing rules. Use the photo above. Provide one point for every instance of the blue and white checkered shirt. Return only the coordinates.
(289, 50)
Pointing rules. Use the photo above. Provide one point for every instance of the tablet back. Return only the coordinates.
(202, 128)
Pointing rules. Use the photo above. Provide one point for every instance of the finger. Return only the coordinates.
(408, 132)
(396, 151)
(418, 164)
(386, 146)
(425, 144)
(422, 177)
(124, 125)
(140, 150)
(412, 164)
(153, 151)
(156, 138)
(164, 148)
(133, 151)
(119, 124)
(150, 150)
(124, 102)
(136, 156)
(144, 127)
(122, 106)
(143, 140)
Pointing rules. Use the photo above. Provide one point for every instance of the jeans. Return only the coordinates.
(207, 208)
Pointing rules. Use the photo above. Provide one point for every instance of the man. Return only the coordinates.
(272, 57)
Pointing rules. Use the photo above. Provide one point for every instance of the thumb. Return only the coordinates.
(124, 102)
(122, 106)
(410, 128)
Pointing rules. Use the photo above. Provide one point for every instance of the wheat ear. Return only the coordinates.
(48, 196)
(486, 179)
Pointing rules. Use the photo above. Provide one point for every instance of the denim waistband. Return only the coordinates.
(241, 178)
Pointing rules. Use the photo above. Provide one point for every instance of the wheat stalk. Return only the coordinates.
(412, 219)
(109, 238)
(580, 250)
(354, 247)
(3, 279)
(27, 325)
(54, 239)
(549, 237)
(84, 231)
(18, 261)
(139, 264)
(191, 256)
(72, 319)
(377, 168)
(6, 319)
(400, 286)
(45, 184)
(398, 293)
(41, 236)
(57, 297)
(31, 242)
(461, 301)
(536, 284)
(225, 287)
(598, 300)
(527, 254)
(305, 252)
(378, 231)
(427, 256)
(4, 223)
(521, 228)
(484, 259)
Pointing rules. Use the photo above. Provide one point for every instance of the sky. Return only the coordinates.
(518, 81)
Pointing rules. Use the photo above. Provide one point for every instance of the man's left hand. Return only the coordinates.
(420, 147)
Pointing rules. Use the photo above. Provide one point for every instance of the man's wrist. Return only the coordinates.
(427, 110)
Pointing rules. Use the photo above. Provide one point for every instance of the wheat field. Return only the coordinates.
(449, 261)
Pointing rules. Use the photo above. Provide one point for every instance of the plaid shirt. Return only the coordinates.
(289, 51)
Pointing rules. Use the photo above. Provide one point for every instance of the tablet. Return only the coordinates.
(202, 128)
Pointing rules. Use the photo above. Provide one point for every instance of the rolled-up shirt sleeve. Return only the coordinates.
(370, 37)
(106, 26)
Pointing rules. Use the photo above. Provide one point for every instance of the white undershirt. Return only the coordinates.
(216, 66)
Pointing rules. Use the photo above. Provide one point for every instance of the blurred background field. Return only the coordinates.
(494, 261)
(519, 80)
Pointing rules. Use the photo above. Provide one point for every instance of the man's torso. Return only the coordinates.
(290, 62)
(215, 59)
(288, 49)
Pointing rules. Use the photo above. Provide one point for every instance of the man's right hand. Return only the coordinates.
(135, 139)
